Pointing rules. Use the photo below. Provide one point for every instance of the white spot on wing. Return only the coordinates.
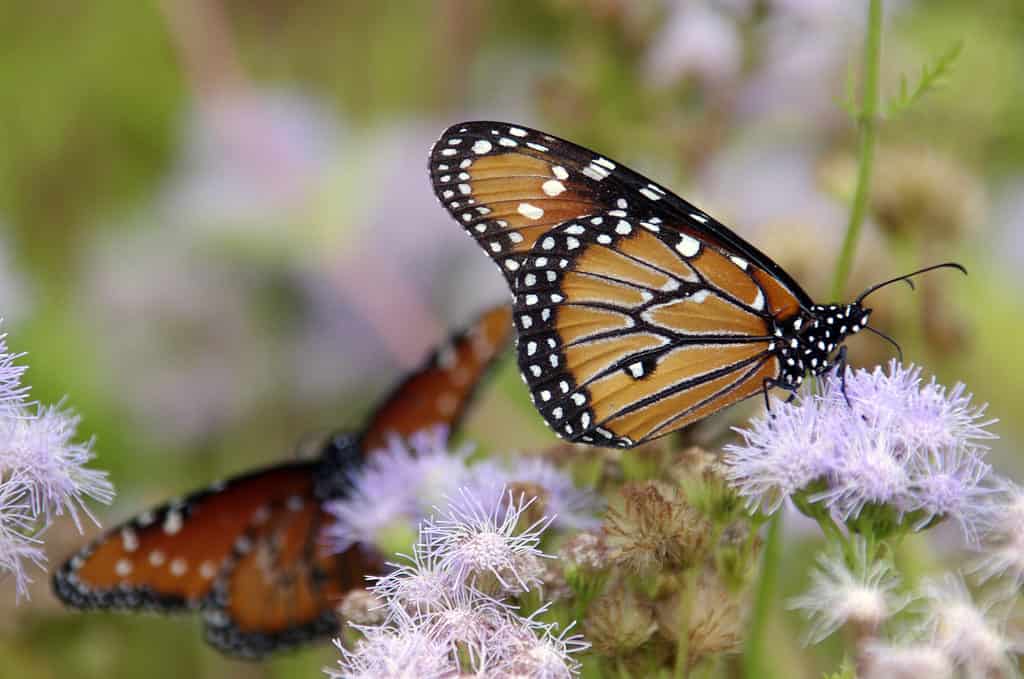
(480, 147)
(553, 187)
(530, 211)
(688, 246)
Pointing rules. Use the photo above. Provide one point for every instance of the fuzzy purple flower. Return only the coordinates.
(478, 539)
(1003, 539)
(863, 594)
(43, 473)
(12, 392)
(973, 634)
(438, 623)
(401, 484)
(406, 651)
(915, 448)
(395, 489)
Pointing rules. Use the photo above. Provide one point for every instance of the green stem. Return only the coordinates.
(755, 663)
(867, 122)
(685, 610)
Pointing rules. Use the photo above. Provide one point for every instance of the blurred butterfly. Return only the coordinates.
(247, 552)
(636, 312)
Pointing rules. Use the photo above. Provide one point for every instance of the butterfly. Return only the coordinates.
(247, 552)
(636, 312)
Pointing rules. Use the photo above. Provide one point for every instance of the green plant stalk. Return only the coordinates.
(867, 122)
(685, 610)
(755, 664)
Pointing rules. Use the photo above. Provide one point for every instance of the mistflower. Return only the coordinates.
(916, 449)
(538, 651)
(905, 661)
(952, 482)
(972, 634)
(571, 507)
(438, 623)
(12, 392)
(39, 444)
(655, 528)
(861, 594)
(925, 416)
(1003, 538)
(394, 490)
(408, 651)
(43, 473)
(475, 539)
(17, 524)
(780, 454)
(418, 583)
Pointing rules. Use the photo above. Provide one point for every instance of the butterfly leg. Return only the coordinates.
(767, 384)
(841, 371)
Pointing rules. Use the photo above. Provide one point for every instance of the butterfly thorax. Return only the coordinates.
(341, 457)
(807, 341)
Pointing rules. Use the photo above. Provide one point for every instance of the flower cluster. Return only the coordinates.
(880, 442)
(946, 629)
(400, 485)
(448, 609)
(43, 472)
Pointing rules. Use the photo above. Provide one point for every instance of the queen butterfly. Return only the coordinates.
(636, 312)
(247, 551)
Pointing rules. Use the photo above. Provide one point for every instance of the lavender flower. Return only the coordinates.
(972, 634)
(12, 392)
(862, 594)
(1003, 538)
(905, 661)
(408, 651)
(395, 489)
(400, 485)
(437, 623)
(569, 506)
(926, 417)
(43, 473)
(477, 539)
(917, 449)
(781, 454)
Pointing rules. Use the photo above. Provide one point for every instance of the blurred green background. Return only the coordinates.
(217, 236)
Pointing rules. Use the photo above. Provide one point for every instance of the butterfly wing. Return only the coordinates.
(168, 558)
(281, 585)
(508, 185)
(439, 392)
(637, 313)
(247, 552)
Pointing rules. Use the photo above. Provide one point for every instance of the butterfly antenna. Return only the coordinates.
(890, 340)
(906, 278)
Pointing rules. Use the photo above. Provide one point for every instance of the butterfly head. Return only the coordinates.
(807, 342)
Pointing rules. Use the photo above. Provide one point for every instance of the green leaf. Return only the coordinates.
(933, 76)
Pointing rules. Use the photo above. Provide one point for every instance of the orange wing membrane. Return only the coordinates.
(439, 391)
(636, 312)
(247, 552)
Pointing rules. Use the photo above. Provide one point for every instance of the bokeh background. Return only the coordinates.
(217, 237)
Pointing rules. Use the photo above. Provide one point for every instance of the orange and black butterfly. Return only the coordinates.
(247, 552)
(636, 312)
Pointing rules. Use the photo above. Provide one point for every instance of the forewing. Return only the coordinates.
(440, 391)
(508, 185)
